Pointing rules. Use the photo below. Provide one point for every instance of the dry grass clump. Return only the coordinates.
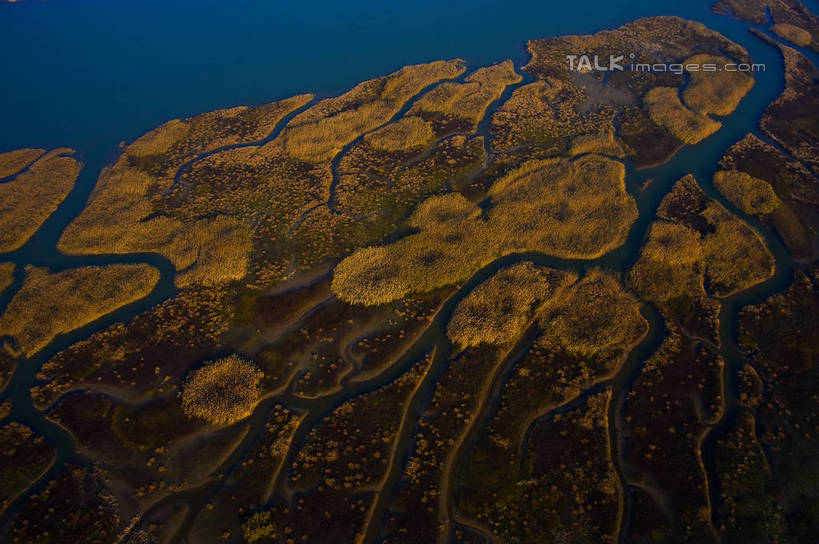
(319, 133)
(120, 219)
(666, 110)
(406, 134)
(793, 34)
(159, 140)
(164, 149)
(469, 100)
(12, 162)
(735, 255)
(594, 316)
(30, 198)
(6, 275)
(222, 391)
(544, 115)
(51, 304)
(751, 195)
(498, 310)
(697, 245)
(715, 92)
(604, 143)
(574, 209)
(670, 263)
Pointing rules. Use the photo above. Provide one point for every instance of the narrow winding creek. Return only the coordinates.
(701, 160)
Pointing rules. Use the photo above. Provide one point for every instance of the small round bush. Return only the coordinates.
(222, 391)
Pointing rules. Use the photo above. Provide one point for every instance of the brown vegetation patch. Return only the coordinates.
(666, 110)
(751, 195)
(793, 34)
(596, 316)
(12, 162)
(784, 13)
(498, 310)
(468, 100)
(319, 133)
(6, 275)
(716, 92)
(795, 218)
(49, 304)
(576, 209)
(33, 195)
(700, 245)
(223, 391)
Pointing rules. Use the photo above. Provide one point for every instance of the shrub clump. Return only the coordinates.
(715, 92)
(223, 391)
(666, 110)
(408, 134)
(751, 195)
(6, 275)
(51, 304)
(572, 209)
(594, 317)
(498, 310)
(793, 34)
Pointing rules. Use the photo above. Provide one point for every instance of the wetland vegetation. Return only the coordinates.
(443, 306)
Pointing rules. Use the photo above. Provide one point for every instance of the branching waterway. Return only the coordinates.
(701, 160)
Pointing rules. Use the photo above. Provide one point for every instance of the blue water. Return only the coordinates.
(90, 73)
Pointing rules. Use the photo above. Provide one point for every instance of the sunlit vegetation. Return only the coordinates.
(543, 116)
(119, 220)
(319, 133)
(585, 103)
(449, 102)
(49, 304)
(695, 243)
(499, 309)
(751, 195)
(666, 110)
(12, 162)
(795, 192)
(33, 195)
(715, 92)
(785, 14)
(596, 316)
(6, 275)
(406, 134)
(670, 263)
(565, 208)
(23, 457)
(603, 143)
(793, 34)
(223, 391)
(163, 150)
(126, 214)
(147, 356)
